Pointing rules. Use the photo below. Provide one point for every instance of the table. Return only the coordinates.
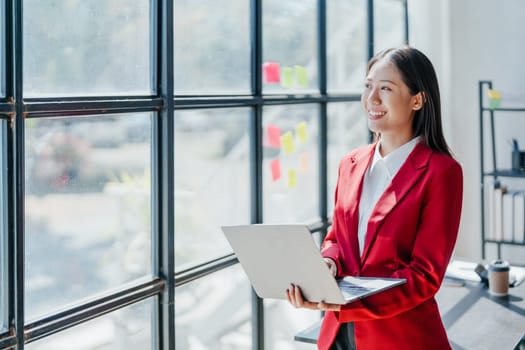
(472, 317)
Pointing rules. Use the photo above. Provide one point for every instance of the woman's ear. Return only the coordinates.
(418, 100)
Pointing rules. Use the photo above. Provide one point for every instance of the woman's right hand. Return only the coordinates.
(331, 265)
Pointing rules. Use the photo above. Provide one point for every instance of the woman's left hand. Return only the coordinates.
(295, 297)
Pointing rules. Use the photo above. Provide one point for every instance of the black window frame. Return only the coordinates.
(14, 109)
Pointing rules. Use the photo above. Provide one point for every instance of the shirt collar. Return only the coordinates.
(395, 159)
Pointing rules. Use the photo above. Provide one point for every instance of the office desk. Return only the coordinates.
(474, 319)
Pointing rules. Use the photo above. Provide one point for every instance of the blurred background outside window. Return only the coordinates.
(83, 48)
(88, 207)
(212, 181)
(212, 47)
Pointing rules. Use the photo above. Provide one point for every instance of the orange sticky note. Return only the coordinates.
(273, 133)
(271, 73)
(275, 167)
(301, 131)
(292, 180)
(303, 162)
(287, 143)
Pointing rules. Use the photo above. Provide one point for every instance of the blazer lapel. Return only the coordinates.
(356, 171)
(409, 173)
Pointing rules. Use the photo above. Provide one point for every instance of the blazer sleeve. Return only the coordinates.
(436, 235)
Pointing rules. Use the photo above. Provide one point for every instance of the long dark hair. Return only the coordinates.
(418, 74)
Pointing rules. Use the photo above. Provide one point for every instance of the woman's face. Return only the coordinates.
(387, 101)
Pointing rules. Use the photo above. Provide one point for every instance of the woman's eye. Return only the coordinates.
(385, 88)
(367, 85)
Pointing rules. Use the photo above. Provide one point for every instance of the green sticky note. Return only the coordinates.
(494, 103)
(287, 143)
(301, 131)
(287, 78)
(292, 179)
(302, 76)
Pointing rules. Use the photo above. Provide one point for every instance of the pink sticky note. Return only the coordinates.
(275, 166)
(271, 73)
(274, 136)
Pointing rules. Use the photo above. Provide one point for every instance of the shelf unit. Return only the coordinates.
(495, 173)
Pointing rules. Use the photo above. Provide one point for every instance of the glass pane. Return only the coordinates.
(2, 48)
(95, 47)
(87, 207)
(212, 46)
(290, 164)
(124, 329)
(220, 320)
(347, 130)
(212, 181)
(290, 46)
(346, 45)
(3, 228)
(389, 24)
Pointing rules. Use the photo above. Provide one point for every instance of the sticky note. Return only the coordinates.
(287, 78)
(271, 72)
(292, 180)
(301, 131)
(303, 162)
(275, 167)
(287, 143)
(494, 94)
(301, 75)
(494, 103)
(273, 133)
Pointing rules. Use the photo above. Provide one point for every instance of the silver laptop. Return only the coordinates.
(274, 256)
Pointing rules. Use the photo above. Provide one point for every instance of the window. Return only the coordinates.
(3, 229)
(290, 46)
(215, 312)
(389, 24)
(291, 163)
(136, 129)
(88, 189)
(127, 328)
(346, 45)
(212, 47)
(93, 47)
(2, 48)
(347, 130)
(212, 181)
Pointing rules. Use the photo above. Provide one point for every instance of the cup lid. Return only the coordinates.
(499, 265)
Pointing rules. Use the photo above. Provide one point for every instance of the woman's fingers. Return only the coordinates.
(295, 297)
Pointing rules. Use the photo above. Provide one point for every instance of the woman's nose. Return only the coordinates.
(373, 97)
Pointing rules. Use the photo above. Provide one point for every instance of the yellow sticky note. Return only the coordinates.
(287, 143)
(287, 78)
(301, 131)
(292, 179)
(302, 76)
(494, 94)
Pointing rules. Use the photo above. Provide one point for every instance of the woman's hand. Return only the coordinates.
(295, 297)
(331, 265)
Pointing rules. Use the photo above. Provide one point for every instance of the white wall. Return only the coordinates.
(468, 41)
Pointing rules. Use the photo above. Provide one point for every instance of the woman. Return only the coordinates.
(397, 211)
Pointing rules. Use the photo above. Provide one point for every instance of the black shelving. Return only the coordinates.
(495, 173)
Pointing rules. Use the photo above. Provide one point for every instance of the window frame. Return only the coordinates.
(15, 109)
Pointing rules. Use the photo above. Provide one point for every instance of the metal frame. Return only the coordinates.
(483, 85)
(15, 109)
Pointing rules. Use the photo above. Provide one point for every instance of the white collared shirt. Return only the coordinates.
(377, 177)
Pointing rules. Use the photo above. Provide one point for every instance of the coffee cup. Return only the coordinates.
(499, 278)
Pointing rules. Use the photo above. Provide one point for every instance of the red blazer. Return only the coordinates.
(411, 234)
